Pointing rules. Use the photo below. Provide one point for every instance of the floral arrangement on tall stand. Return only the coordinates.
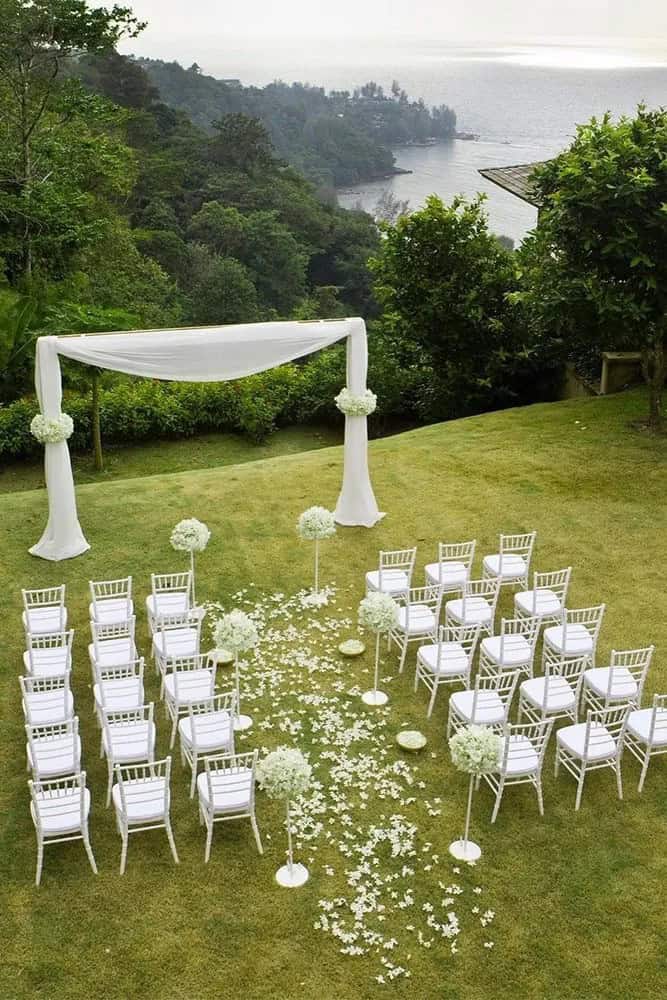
(236, 633)
(190, 535)
(474, 750)
(315, 524)
(286, 774)
(379, 613)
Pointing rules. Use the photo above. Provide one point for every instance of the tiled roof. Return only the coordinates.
(516, 180)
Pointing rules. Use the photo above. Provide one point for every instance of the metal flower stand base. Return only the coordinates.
(241, 722)
(376, 697)
(317, 598)
(291, 875)
(466, 850)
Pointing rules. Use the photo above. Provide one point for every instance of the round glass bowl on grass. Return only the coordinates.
(411, 740)
(351, 648)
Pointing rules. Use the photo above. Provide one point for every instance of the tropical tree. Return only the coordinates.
(594, 274)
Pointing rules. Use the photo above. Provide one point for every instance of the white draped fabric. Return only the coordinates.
(211, 354)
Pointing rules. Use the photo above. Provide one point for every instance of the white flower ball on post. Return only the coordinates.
(315, 524)
(52, 430)
(378, 612)
(474, 750)
(356, 404)
(190, 535)
(286, 774)
(236, 633)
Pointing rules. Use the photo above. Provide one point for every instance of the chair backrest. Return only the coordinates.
(511, 628)
(517, 752)
(45, 597)
(429, 597)
(128, 672)
(183, 619)
(105, 590)
(403, 559)
(171, 583)
(234, 768)
(589, 618)
(56, 798)
(629, 661)
(54, 689)
(182, 669)
(488, 589)
(570, 670)
(466, 636)
(144, 784)
(205, 714)
(117, 719)
(109, 632)
(603, 724)
(488, 686)
(557, 581)
(49, 640)
(463, 552)
(517, 545)
(657, 732)
(49, 736)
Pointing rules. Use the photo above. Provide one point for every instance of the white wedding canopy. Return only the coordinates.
(208, 354)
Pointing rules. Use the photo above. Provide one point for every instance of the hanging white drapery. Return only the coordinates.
(211, 354)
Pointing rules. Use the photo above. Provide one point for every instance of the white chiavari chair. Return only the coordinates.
(576, 635)
(394, 573)
(54, 750)
(170, 595)
(646, 733)
(113, 645)
(521, 760)
(44, 610)
(448, 660)
(187, 680)
(487, 704)
(555, 695)
(453, 568)
(547, 598)
(591, 745)
(142, 800)
(621, 683)
(476, 606)
(418, 616)
(110, 601)
(47, 700)
(512, 563)
(226, 790)
(175, 637)
(60, 811)
(48, 653)
(128, 737)
(207, 729)
(117, 689)
(513, 649)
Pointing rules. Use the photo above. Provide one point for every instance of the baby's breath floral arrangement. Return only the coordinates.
(475, 749)
(356, 404)
(51, 430)
(190, 535)
(284, 773)
(378, 612)
(235, 632)
(316, 523)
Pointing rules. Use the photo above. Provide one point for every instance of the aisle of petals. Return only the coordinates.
(360, 829)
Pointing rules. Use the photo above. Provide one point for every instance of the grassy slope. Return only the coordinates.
(579, 897)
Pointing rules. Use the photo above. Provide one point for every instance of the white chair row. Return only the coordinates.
(141, 795)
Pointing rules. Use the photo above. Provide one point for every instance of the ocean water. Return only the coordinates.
(523, 102)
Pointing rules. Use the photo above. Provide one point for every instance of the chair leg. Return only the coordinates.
(404, 650)
(619, 777)
(556, 762)
(209, 838)
(255, 830)
(642, 776)
(170, 838)
(109, 781)
(102, 744)
(416, 676)
(580, 788)
(173, 731)
(193, 780)
(40, 861)
(499, 795)
(89, 852)
(123, 850)
(540, 800)
(431, 702)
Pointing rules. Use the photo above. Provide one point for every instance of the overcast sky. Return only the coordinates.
(184, 28)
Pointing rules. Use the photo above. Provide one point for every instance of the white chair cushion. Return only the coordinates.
(39, 621)
(47, 662)
(560, 696)
(578, 641)
(133, 741)
(62, 814)
(176, 642)
(448, 575)
(513, 566)
(167, 604)
(515, 650)
(120, 694)
(546, 603)
(144, 800)
(113, 652)
(522, 757)
(191, 686)
(212, 731)
(623, 684)
(453, 658)
(416, 619)
(639, 724)
(601, 744)
(45, 707)
(55, 756)
(111, 610)
(394, 581)
(477, 610)
(231, 792)
(489, 708)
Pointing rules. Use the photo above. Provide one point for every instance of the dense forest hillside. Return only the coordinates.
(334, 138)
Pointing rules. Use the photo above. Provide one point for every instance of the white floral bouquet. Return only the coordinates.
(316, 523)
(190, 535)
(284, 773)
(475, 749)
(378, 612)
(356, 405)
(235, 632)
(51, 430)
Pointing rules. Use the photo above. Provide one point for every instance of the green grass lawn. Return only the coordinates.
(579, 898)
